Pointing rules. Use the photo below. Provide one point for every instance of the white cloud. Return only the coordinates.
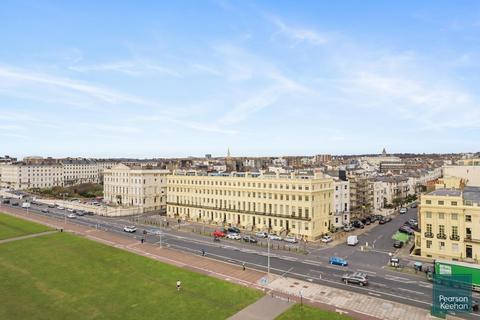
(132, 68)
(298, 33)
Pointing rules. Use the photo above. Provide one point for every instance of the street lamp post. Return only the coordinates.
(268, 258)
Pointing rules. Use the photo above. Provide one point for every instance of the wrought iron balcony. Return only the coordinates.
(428, 235)
(441, 236)
(455, 237)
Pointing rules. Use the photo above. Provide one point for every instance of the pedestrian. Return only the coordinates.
(243, 266)
(178, 285)
(203, 252)
(142, 240)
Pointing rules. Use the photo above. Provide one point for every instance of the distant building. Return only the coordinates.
(467, 169)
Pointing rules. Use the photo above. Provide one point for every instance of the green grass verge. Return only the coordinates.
(11, 227)
(401, 236)
(299, 312)
(62, 276)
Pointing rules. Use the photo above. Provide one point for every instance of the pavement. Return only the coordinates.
(344, 299)
(27, 236)
(265, 308)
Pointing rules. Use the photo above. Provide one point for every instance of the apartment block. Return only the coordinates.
(144, 188)
(468, 169)
(79, 171)
(450, 224)
(21, 175)
(298, 204)
(341, 203)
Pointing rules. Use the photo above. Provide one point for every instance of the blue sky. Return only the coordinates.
(181, 78)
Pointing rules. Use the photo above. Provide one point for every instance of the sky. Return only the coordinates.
(186, 78)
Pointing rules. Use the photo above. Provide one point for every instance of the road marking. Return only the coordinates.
(374, 294)
(314, 263)
(288, 258)
(366, 271)
(283, 275)
(425, 285)
(412, 291)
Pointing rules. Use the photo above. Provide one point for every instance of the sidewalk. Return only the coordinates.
(34, 235)
(266, 308)
(356, 305)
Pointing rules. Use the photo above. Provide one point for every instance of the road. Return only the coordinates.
(314, 267)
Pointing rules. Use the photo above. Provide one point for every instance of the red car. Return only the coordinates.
(218, 234)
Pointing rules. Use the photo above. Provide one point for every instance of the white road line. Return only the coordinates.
(374, 294)
(366, 271)
(412, 291)
(315, 263)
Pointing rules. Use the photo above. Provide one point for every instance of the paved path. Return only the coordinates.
(27, 236)
(266, 308)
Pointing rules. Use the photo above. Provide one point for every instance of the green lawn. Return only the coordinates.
(62, 276)
(299, 312)
(11, 227)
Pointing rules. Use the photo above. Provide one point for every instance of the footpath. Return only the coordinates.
(280, 292)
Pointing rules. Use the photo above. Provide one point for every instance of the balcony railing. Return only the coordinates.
(441, 236)
(455, 237)
(239, 211)
(428, 235)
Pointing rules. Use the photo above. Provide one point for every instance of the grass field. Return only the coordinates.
(299, 312)
(62, 276)
(11, 227)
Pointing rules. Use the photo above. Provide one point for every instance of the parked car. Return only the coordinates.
(70, 210)
(15, 204)
(232, 230)
(218, 234)
(261, 234)
(233, 236)
(406, 229)
(348, 228)
(6, 201)
(403, 210)
(290, 239)
(249, 239)
(388, 219)
(274, 237)
(45, 210)
(397, 244)
(327, 239)
(413, 222)
(130, 229)
(382, 221)
(338, 261)
(357, 224)
(51, 205)
(80, 213)
(356, 277)
(71, 216)
(413, 205)
(60, 208)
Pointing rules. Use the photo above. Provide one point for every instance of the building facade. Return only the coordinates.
(284, 204)
(468, 169)
(450, 224)
(341, 203)
(135, 187)
(21, 175)
(77, 171)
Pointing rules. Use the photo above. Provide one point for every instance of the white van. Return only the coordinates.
(352, 240)
(26, 205)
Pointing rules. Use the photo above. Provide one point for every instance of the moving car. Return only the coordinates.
(403, 210)
(6, 201)
(80, 213)
(327, 239)
(130, 229)
(71, 216)
(14, 203)
(154, 232)
(218, 234)
(261, 234)
(249, 239)
(338, 261)
(397, 243)
(45, 210)
(290, 239)
(356, 277)
(234, 236)
(414, 205)
(274, 237)
(70, 210)
(352, 240)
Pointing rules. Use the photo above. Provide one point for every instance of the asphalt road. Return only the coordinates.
(314, 267)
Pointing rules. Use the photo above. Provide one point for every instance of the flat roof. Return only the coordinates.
(446, 192)
(472, 194)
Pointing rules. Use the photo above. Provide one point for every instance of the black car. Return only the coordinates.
(14, 203)
(397, 244)
(249, 239)
(232, 230)
(382, 221)
(6, 201)
(358, 224)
